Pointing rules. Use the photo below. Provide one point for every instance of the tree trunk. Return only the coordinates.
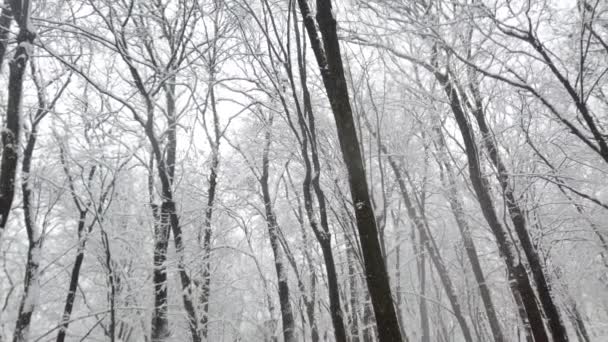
(74, 277)
(518, 278)
(12, 130)
(205, 240)
(160, 321)
(283, 286)
(426, 239)
(558, 330)
(457, 208)
(332, 71)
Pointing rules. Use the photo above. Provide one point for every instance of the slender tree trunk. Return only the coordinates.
(308, 147)
(426, 239)
(284, 300)
(211, 193)
(74, 277)
(517, 275)
(83, 234)
(308, 295)
(465, 232)
(329, 60)
(516, 213)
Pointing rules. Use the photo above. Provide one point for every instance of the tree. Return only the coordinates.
(329, 59)
(20, 10)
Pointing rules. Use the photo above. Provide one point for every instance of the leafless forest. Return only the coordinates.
(304, 170)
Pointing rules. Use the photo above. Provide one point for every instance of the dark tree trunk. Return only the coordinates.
(516, 213)
(518, 278)
(308, 295)
(449, 180)
(74, 277)
(426, 239)
(165, 165)
(329, 60)
(168, 214)
(205, 240)
(273, 235)
(12, 130)
(311, 182)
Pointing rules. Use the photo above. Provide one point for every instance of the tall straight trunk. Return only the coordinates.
(289, 333)
(12, 130)
(416, 215)
(83, 233)
(517, 215)
(308, 295)
(168, 213)
(329, 59)
(205, 240)
(74, 277)
(516, 272)
(457, 207)
(165, 167)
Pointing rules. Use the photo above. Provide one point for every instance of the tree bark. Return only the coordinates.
(207, 232)
(329, 60)
(426, 239)
(283, 286)
(457, 207)
(517, 275)
(516, 213)
(12, 130)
